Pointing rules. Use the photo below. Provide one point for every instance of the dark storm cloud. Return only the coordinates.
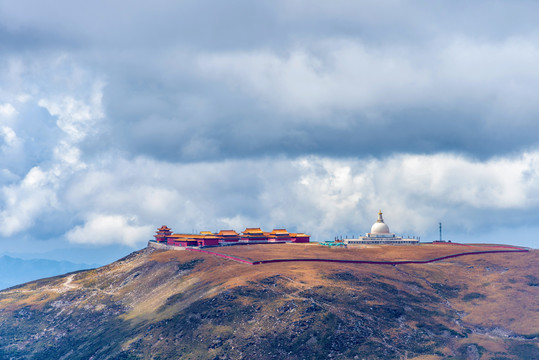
(148, 53)
(249, 113)
(151, 24)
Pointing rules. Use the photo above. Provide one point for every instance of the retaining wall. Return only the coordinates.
(401, 262)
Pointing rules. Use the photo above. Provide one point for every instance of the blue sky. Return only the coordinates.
(117, 117)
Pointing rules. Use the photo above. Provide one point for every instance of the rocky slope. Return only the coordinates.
(185, 305)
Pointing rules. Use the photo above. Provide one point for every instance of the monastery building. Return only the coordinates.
(165, 236)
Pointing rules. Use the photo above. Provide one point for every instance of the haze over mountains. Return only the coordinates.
(14, 271)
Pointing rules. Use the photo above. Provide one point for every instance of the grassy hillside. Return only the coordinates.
(180, 304)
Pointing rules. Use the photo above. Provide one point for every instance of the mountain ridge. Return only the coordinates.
(15, 271)
(182, 304)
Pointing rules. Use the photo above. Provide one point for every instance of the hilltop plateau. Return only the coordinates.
(157, 304)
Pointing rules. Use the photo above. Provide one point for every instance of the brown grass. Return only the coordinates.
(508, 301)
(370, 252)
(488, 274)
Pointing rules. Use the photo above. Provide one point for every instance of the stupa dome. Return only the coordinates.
(379, 227)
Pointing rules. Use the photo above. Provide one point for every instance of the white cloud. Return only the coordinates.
(109, 229)
(7, 110)
(502, 183)
(11, 150)
(76, 117)
(10, 138)
(341, 75)
(336, 75)
(23, 203)
(418, 189)
(319, 195)
(54, 156)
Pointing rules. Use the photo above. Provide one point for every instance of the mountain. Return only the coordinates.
(14, 271)
(156, 304)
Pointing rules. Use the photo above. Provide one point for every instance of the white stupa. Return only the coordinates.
(380, 235)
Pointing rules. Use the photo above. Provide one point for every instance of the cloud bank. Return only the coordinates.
(117, 119)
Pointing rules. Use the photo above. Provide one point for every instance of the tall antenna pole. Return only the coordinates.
(440, 231)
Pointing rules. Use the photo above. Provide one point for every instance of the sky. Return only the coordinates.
(117, 117)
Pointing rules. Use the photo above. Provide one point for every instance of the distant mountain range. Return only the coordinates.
(14, 271)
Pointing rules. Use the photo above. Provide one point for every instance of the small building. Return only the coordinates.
(162, 233)
(253, 235)
(228, 236)
(208, 240)
(380, 235)
(182, 240)
(300, 238)
(279, 235)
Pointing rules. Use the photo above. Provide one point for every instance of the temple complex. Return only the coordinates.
(165, 236)
(380, 235)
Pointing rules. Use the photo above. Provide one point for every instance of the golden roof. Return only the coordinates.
(187, 236)
(253, 231)
(227, 232)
